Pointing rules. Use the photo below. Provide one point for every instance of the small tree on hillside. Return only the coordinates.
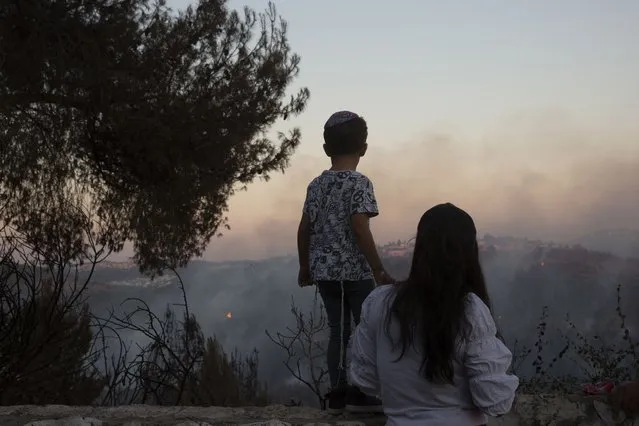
(51, 365)
(217, 383)
(45, 330)
(227, 382)
(155, 117)
(252, 391)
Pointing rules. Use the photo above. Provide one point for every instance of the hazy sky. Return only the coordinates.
(524, 113)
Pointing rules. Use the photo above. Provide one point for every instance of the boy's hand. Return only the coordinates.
(304, 277)
(382, 277)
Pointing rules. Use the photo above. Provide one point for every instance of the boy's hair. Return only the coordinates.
(345, 133)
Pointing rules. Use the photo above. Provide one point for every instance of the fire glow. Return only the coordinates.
(229, 315)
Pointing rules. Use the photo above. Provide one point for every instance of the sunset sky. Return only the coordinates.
(524, 113)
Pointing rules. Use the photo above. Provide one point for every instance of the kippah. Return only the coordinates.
(339, 118)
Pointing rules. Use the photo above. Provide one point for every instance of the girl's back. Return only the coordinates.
(481, 384)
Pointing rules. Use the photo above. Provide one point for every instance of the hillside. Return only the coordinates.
(238, 301)
(591, 254)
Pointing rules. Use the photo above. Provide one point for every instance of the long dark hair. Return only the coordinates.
(430, 305)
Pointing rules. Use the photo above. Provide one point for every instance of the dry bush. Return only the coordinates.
(305, 353)
(45, 325)
(597, 357)
(177, 365)
(54, 351)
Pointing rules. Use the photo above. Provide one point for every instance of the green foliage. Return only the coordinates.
(143, 119)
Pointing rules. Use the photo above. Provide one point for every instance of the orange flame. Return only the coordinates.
(229, 315)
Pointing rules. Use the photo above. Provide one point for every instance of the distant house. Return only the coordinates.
(397, 252)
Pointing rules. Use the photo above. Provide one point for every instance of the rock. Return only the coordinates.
(546, 409)
(70, 421)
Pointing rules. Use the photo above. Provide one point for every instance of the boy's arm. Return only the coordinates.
(360, 224)
(303, 245)
(303, 241)
(363, 207)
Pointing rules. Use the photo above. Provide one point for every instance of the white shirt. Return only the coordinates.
(331, 199)
(482, 385)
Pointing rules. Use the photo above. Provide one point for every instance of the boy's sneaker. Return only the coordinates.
(358, 402)
(335, 401)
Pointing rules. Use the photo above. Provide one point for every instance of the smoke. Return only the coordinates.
(537, 175)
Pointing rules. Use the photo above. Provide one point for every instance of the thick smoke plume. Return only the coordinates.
(539, 176)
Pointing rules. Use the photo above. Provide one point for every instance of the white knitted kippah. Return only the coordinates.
(339, 118)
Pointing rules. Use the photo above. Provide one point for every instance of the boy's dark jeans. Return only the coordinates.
(354, 293)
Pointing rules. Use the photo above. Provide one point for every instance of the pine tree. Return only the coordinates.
(154, 118)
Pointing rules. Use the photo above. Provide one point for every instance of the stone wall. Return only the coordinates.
(559, 410)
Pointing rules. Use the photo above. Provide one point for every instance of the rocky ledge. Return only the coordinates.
(559, 410)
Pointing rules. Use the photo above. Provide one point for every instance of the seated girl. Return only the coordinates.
(428, 345)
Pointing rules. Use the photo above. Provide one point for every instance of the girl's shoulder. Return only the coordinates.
(475, 305)
(479, 317)
(381, 292)
(374, 304)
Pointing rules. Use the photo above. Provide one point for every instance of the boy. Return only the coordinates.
(337, 250)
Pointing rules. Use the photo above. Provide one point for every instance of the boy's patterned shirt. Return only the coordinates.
(331, 199)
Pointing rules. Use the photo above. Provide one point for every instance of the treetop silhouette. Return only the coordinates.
(142, 119)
